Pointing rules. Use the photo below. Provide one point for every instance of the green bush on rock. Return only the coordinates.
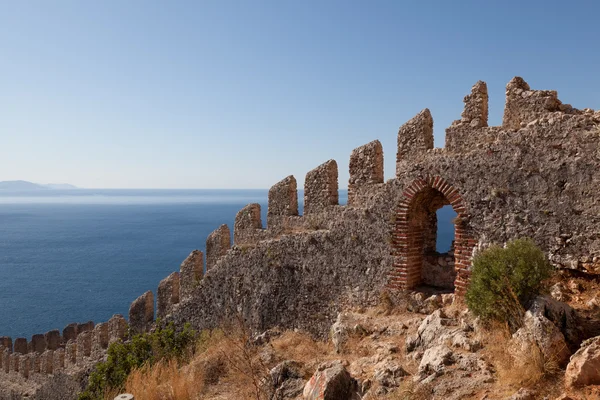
(164, 343)
(504, 280)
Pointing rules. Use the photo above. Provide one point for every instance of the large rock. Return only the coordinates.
(540, 331)
(561, 315)
(434, 361)
(287, 380)
(584, 367)
(331, 381)
(437, 329)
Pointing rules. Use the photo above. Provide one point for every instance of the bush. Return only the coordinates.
(504, 280)
(145, 349)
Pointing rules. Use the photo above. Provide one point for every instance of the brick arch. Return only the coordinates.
(410, 235)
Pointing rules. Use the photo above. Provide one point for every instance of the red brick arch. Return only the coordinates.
(408, 234)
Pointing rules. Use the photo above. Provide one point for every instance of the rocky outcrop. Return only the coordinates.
(584, 366)
(331, 381)
(541, 332)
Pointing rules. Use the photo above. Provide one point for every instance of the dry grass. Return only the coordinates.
(408, 390)
(529, 369)
(164, 381)
(226, 359)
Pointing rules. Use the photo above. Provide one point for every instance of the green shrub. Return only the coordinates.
(164, 343)
(504, 280)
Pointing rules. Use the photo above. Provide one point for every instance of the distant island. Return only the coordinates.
(25, 185)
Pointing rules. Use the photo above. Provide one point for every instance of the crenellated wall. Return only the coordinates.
(536, 175)
(80, 346)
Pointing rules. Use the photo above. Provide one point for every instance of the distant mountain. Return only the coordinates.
(24, 185)
(60, 186)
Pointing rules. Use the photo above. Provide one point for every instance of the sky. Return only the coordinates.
(240, 94)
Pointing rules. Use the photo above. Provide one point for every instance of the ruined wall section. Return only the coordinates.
(35, 363)
(217, 244)
(536, 181)
(366, 172)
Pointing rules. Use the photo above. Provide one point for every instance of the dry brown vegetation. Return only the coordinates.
(530, 370)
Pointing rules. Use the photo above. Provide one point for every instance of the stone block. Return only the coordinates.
(71, 353)
(524, 105)
(100, 337)
(70, 332)
(24, 365)
(84, 346)
(167, 295)
(86, 326)
(47, 362)
(414, 137)
(38, 343)
(248, 225)
(53, 339)
(21, 346)
(13, 361)
(321, 188)
(117, 328)
(217, 244)
(6, 342)
(283, 201)
(190, 273)
(59, 360)
(141, 313)
(6, 361)
(366, 168)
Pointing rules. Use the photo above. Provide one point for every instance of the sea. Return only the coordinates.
(78, 255)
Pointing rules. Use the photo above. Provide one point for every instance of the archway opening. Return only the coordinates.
(433, 269)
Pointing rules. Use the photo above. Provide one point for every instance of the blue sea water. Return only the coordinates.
(78, 255)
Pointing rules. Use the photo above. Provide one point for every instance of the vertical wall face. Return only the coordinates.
(47, 362)
(71, 353)
(414, 137)
(59, 360)
(321, 188)
(410, 242)
(217, 244)
(190, 273)
(283, 202)
(53, 339)
(247, 225)
(366, 169)
(7, 343)
(20, 346)
(99, 340)
(88, 326)
(467, 131)
(38, 343)
(141, 313)
(69, 332)
(117, 328)
(475, 112)
(524, 105)
(167, 295)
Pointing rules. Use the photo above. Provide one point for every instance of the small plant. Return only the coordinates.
(504, 280)
(145, 349)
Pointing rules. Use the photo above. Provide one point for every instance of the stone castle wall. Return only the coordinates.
(535, 176)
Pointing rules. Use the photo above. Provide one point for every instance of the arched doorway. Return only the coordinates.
(415, 234)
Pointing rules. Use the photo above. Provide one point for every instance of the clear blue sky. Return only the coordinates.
(221, 94)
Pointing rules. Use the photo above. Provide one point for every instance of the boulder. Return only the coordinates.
(561, 315)
(434, 361)
(287, 380)
(540, 331)
(389, 375)
(437, 329)
(331, 381)
(584, 367)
